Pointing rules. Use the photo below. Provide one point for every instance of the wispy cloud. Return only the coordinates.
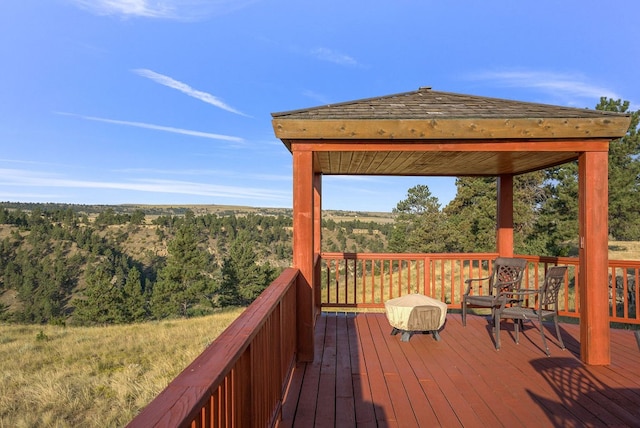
(330, 55)
(158, 128)
(567, 85)
(141, 8)
(185, 89)
(17, 177)
(208, 172)
(30, 162)
(162, 9)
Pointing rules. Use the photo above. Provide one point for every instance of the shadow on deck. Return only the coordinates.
(363, 376)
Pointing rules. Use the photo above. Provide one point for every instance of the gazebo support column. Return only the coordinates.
(593, 250)
(504, 232)
(303, 248)
(317, 239)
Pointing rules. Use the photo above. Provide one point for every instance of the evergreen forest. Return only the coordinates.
(100, 265)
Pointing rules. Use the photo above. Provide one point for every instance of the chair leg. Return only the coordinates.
(544, 339)
(516, 327)
(497, 332)
(555, 321)
(464, 313)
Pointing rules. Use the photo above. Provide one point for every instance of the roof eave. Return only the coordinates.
(608, 127)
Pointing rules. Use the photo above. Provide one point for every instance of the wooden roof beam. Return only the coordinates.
(451, 128)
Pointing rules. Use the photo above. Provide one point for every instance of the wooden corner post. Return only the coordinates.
(504, 229)
(303, 248)
(593, 250)
(317, 239)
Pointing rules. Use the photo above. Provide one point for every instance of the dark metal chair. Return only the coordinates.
(506, 275)
(547, 306)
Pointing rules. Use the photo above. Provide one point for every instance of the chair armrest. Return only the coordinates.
(470, 280)
(514, 296)
(519, 292)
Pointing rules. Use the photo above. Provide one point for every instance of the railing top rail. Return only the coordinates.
(405, 256)
(466, 256)
(625, 263)
(209, 369)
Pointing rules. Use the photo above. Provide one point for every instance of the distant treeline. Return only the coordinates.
(149, 210)
(89, 265)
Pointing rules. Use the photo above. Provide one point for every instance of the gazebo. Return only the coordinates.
(432, 133)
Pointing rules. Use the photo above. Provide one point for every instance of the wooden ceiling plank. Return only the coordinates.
(379, 159)
(428, 163)
(345, 161)
(405, 162)
(358, 160)
(368, 162)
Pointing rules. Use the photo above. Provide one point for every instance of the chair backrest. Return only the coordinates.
(507, 274)
(553, 280)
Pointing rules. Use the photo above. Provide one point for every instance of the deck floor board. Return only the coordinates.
(363, 376)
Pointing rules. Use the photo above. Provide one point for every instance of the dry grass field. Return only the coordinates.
(624, 250)
(336, 215)
(52, 376)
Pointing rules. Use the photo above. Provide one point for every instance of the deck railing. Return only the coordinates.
(365, 281)
(239, 380)
(623, 290)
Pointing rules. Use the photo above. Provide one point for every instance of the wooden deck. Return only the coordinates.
(363, 376)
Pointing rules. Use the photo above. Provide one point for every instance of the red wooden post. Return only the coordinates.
(593, 283)
(303, 196)
(504, 233)
(317, 238)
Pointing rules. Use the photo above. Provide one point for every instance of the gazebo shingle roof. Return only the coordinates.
(428, 104)
(426, 132)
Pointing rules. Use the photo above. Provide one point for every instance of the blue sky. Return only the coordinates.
(169, 102)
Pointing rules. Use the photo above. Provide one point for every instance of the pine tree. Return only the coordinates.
(420, 225)
(102, 302)
(558, 219)
(472, 214)
(624, 176)
(184, 280)
(228, 294)
(134, 297)
(243, 279)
